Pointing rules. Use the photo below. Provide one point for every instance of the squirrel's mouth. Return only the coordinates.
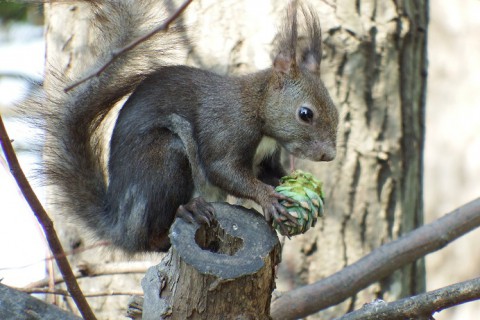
(316, 151)
(300, 153)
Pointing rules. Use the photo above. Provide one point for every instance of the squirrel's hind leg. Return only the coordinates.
(149, 179)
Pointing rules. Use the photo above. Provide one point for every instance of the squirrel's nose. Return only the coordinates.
(329, 154)
(327, 151)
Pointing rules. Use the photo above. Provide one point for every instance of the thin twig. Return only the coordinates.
(67, 253)
(46, 224)
(62, 292)
(377, 265)
(117, 53)
(422, 305)
(95, 270)
(51, 280)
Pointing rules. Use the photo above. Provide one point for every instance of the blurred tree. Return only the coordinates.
(11, 11)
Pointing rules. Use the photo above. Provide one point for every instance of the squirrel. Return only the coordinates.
(185, 135)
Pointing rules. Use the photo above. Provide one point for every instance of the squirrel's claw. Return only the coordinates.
(198, 211)
(275, 211)
(281, 209)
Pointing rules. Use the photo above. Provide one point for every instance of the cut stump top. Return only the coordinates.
(238, 248)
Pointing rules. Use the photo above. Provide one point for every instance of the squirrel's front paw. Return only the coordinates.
(273, 210)
(197, 210)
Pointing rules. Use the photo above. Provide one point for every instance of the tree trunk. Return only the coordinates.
(374, 65)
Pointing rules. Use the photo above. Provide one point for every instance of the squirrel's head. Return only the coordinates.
(300, 114)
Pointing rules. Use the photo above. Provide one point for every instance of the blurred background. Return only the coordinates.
(452, 146)
(22, 50)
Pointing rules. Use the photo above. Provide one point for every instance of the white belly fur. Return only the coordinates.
(265, 148)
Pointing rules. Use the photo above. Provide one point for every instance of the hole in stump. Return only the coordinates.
(216, 240)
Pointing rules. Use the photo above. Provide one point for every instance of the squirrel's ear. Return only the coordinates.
(312, 54)
(285, 60)
(311, 63)
(283, 63)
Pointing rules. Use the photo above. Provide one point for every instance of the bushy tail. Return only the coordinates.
(72, 160)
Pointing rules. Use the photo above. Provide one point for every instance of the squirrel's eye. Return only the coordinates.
(305, 114)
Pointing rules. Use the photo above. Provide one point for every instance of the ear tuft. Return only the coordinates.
(312, 53)
(287, 44)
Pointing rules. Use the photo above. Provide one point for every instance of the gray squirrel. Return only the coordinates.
(185, 135)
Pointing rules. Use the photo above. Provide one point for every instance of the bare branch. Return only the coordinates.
(19, 305)
(117, 53)
(422, 305)
(378, 264)
(95, 270)
(46, 224)
(62, 292)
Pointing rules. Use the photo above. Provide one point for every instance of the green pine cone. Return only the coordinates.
(307, 192)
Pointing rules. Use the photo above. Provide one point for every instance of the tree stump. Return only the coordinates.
(210, 272)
